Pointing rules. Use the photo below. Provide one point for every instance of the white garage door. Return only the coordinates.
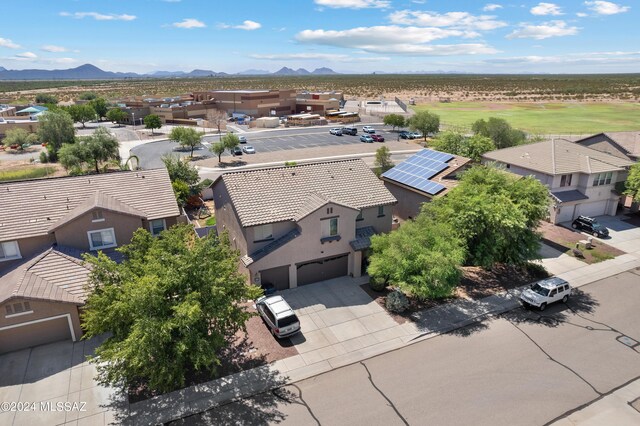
(13, 338)
(565, 214)
(592, 209)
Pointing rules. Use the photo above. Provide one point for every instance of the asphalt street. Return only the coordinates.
(150, 154)
(524, 367)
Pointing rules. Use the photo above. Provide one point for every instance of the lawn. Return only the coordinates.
(543, 118)
(26, 173)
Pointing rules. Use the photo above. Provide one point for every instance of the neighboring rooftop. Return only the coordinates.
(557, 157)
(32, 208)
(52, 275)
(281, 194)
(626, 143)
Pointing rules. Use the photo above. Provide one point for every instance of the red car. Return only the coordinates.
(377, 138)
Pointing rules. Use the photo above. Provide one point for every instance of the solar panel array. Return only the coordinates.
(416, 171)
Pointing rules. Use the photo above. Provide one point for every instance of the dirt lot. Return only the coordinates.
(565, 240)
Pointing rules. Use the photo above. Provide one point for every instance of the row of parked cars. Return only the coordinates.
(369, 136)
(409, 135)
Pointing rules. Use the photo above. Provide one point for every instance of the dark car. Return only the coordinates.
(590, 225)
(405, 135)
(377, 138)
(237, 150)
(349, 131)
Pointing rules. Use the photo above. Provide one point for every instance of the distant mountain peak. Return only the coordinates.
(323, 71)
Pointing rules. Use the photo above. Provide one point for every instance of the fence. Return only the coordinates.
(401, 104)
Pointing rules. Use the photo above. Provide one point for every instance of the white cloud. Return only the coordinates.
(606, 7)
(353, 4)
(25, 56)
(572, 58)
(543, 9)
(63, 60)
(490, 7)
(458, 20)
(582, 15)
(5, 42)
(189, 23)
(544, 30)
(54, 49)
(394, 39)
(246, 25)
(334, 57)
(99, 16)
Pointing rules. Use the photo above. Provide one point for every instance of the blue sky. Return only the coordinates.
(362, 36)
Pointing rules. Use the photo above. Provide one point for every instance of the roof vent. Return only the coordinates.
(45, 196)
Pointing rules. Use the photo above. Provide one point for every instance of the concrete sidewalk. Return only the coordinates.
(427, 324)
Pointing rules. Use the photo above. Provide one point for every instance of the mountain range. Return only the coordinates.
(91, 72)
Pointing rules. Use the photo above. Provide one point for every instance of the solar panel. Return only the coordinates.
(416, 170)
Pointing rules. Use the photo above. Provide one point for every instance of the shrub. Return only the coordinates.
(377, 283)
(397, 302)
(290, 163)
(44, 158)
(536, 270)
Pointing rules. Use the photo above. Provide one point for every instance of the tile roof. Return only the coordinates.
(557, 157)
(569, 196)
(627, 142)
(286, 193)
(32, 208)
(363, 238)
(51, 275)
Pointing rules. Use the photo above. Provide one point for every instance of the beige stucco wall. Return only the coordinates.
(278, 230)
(41, 309)
(226, 217)
(74, 233)
(409, 202)
(29, 247)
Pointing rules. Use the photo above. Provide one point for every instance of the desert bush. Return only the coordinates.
(397, 302)
(377, 283)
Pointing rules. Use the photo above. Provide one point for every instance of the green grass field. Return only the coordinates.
(26, 173)
(542, 118)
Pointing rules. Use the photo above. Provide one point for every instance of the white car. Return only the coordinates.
(242, 139)
(336, 131)
(278, 315)
(368, 129)
(248, 149)
(546, 291)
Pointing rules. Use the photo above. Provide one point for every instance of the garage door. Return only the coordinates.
(323, 269)
(565, 214)
(592, 209)
(40, 333)
(279, 277)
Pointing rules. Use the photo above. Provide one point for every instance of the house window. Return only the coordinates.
(157, 226)
(565, 180)
(18, 309)
(102, 239)
(380, 211)
(330, 227)
(330, 210)
(360, 216)
(602, 179)
(96, 216)
(9, 309)
(264, 232)
(9, 250)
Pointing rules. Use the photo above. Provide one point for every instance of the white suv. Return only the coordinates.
(546, 291)
(278, 316)
(368, 129)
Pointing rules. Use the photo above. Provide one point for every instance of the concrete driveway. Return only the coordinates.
(338, 318)
(622, 234)
(55, 373)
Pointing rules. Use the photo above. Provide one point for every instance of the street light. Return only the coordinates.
(133, 115)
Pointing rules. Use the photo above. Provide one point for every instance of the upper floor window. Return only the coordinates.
(330, 227)
(102, 239)
(15, 309)
(602, 179)
(263, 232)
(329, 210)
(565, 180)
(380, 211)
(157, 226)
(360, 216)
(96, 216)
(9, 250)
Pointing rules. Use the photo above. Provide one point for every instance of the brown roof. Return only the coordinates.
(557, 157)
(287, 193)
(51, 275)
(35, 207)
(626, 142)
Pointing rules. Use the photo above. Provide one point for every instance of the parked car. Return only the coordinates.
(242, 139)
(377, 138)
(236, 151)
(336, 131)
(546, 291)
(405, 135)
(248, 149)
(349, 131)
(415, 135)
(278, 315)
(590, 225)
(368, 129)
(366, 138)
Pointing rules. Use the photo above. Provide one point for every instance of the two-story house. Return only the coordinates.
(45, 226)
(581, 180)
(302, 224)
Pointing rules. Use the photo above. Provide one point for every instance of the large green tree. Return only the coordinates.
(425, 122)
(152, 121)
(46, 98)
(186, 137)
(100, 106)
(81, 113)
(383, 161)
(218, 149)
(19, 137)
(92, 150)
(500, 131)
(495, 213)
(423, 257)
(169, 308)
(230, 141)
(395, 120)
(180, 170)
(632, 185)
(458, 144)
(55, 128)
(116, 115)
